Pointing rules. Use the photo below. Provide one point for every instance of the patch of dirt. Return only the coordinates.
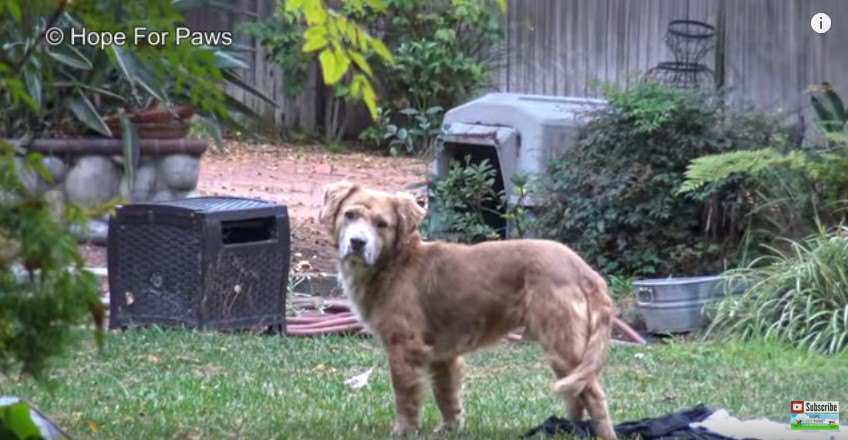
(294, 176)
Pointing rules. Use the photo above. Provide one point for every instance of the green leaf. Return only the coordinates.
(234, 78)
(70, 56)
(132, 149)
(835, 102)
(33, 82)
(315, 12)
(434, 110)
(369, 97)
(225, 60)
(133, 69)
(315, 32)
(17, 418)
(328, 64)
(90, 88)
(314, 43)
(84, 110)
(17, 90)
(356, 85)
(377, 5)
(33, 161)
(382, 50)
(360, 61)
(293, 5)
(14, 9)
(362, 40)
(823, 113)
(334, 64)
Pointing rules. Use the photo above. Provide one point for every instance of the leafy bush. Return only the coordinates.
(419, 133)
(44, 288)
(831, 113)
(461, 201)
(464, 202)
(792, 190)
(442, 53)
(796, 296)
(444, 50)
(71, 89)
(612, 197)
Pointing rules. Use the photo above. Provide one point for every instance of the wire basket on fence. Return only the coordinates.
(690, 40)
(685, 75)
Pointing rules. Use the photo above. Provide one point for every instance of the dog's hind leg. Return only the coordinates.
(574, 407)
(596, 405)
(560, 318)
(591, 399)
(447, 389)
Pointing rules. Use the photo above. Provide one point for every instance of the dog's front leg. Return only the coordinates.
(408, 384)
(447, 388)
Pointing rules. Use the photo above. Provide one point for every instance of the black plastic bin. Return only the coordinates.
(217, 263)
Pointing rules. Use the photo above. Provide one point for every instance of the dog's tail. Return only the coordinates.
(599, 322)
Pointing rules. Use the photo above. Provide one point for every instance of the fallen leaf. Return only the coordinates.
(320, 367)
(91, 425)
(360, 380)
(153, 358)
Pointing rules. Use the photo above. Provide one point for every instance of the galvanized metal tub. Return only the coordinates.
(672, 305)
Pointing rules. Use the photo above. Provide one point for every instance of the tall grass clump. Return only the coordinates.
(796, 294)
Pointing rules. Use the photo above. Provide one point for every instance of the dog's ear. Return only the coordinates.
(334, 195)
(410, 214)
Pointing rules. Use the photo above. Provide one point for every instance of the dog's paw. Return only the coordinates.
(451, 426)
(402, 429)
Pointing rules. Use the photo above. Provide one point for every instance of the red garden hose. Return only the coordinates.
(335, 317)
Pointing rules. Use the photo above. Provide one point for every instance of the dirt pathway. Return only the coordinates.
(293, 176)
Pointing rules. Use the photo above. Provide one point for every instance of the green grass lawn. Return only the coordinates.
(153, 383)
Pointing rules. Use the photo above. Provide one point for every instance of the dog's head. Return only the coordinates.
(367, 224)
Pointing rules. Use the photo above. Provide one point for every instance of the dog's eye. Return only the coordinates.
(349, 215)
(382, 224)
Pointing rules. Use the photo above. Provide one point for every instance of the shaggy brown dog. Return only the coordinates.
(432, 302)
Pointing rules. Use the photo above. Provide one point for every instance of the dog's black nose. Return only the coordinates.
(357, 244)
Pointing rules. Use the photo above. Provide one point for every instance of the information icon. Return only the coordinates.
(820, 22)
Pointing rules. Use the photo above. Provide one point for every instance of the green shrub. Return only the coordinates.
(794, 190)
(418, 133)
(797, 296)
(461, 202)
(44, 289)
(613, 196)
(464, 202)
(444, 51)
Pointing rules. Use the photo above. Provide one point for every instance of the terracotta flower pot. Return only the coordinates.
(157, 123)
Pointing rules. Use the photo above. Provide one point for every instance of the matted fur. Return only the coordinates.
(432, 302)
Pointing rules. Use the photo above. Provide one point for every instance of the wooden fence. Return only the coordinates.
(766, 52)
(264, 74)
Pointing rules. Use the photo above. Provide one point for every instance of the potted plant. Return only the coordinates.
(95, 108)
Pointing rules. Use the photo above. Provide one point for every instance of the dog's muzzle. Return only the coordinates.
(358, 240)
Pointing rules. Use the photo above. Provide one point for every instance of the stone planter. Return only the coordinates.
(90, 171)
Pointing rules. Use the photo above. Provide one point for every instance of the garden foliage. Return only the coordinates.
(613, 197)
